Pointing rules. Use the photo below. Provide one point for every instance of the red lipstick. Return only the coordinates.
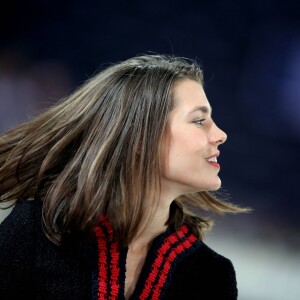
(212, 160)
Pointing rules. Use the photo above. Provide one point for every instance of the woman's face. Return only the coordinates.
(190, 149)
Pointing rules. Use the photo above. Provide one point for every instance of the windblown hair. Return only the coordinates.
(96, 152)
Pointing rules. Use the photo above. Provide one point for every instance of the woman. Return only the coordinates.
(106, 185)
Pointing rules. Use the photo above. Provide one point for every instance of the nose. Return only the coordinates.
(218, 136)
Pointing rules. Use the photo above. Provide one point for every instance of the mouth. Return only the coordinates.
(213, 160)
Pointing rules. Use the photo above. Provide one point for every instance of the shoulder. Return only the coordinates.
(205, 274)
(206, 256)
(206, 260)
(20, 224)
(17, 248)
(22, 213)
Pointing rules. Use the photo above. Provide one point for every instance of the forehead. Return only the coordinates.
(189, 97)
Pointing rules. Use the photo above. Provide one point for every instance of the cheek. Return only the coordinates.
(187, 144)
(184, 151)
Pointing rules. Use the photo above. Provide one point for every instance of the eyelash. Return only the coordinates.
(199, 122)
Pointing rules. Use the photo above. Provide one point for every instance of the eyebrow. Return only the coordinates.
(204, 109)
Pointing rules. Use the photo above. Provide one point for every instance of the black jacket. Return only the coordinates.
(32, 267)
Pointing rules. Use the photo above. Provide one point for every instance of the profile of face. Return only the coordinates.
(190, 148)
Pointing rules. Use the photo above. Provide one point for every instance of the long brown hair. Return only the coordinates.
(80, 159)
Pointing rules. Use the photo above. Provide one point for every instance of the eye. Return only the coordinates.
(199, 122)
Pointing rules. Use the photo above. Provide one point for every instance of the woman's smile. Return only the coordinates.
(213, 160)
(191, 134)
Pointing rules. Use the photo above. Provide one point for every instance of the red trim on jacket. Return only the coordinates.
(165, 250)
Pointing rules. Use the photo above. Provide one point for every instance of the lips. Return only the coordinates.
(212, 160)
(216, 155)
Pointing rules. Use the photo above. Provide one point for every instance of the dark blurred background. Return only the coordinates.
(250, 54)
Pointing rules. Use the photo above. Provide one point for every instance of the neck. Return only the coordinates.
(155, 227)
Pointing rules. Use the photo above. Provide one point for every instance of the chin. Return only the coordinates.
(208, 188)
(214, 187)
